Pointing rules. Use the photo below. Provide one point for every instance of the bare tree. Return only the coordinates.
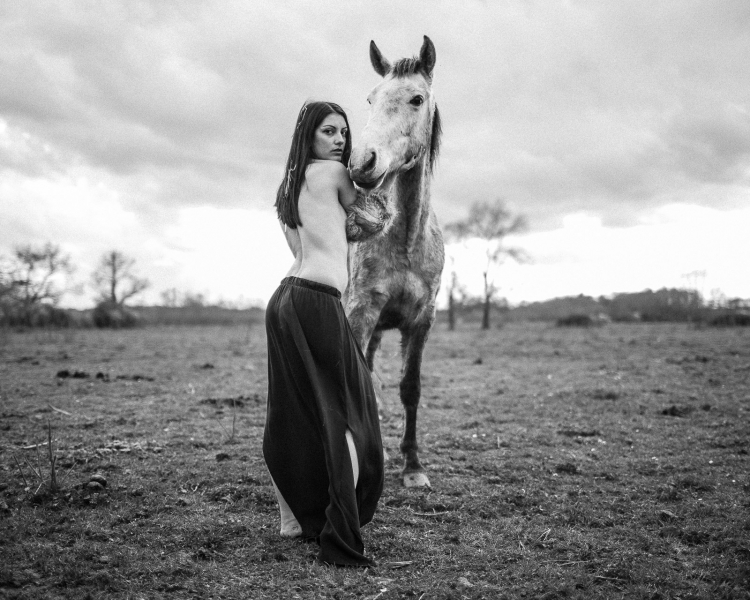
(114, 279)
(457, 296)
(34, 278)
(455, 290)
(491, 223)
(193, 299)
(7, 276)
(169, 297)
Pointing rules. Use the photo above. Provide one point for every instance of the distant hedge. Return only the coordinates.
(731, 319)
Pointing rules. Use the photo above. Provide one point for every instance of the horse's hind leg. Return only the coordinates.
(372, 347)
(412, 341)
(377, 382)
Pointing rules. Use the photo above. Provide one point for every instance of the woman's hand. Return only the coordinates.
(409, 164)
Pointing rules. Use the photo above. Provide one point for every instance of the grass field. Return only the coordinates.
(608, 462)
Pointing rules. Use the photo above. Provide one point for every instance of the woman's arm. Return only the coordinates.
(332, 176)
(368, 213)
(346, 190)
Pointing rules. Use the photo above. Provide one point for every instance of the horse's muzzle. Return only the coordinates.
(363, 169)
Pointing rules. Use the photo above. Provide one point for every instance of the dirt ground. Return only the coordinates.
(607, 462)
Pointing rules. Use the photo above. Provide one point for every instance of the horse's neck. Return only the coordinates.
(412, 191)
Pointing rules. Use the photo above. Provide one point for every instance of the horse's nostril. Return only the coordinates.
(370, 164)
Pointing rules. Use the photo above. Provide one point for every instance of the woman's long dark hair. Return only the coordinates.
(301, 153)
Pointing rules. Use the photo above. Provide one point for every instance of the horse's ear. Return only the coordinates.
(427, 56)
(379, 63)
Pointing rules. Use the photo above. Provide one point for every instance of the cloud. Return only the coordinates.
(555, 103)
(582, 106)
(712, 145)
(607, 109)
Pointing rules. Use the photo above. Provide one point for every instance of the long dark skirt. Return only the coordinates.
(318, 387)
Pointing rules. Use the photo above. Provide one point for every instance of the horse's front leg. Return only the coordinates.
(362, 303)
(363, 318)
(363, 312)
(413, 341)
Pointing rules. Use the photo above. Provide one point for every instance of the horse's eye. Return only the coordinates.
(416, 101)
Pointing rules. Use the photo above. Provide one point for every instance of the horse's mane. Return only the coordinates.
(406, 67)
(437, 132)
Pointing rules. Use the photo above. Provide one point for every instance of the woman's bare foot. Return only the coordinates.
(290, 527)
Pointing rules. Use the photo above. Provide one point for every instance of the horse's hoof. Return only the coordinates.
(416, 480)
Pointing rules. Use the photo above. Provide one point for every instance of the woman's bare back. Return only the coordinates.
(319, 244)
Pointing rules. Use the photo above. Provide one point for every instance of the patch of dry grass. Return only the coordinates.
(597, 463)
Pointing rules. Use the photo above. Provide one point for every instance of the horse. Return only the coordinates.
(395, 276)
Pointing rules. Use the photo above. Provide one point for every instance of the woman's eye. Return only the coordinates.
(416, 101)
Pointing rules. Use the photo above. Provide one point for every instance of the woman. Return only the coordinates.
(322, 439)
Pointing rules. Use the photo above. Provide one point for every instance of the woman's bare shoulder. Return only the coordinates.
(331, 170)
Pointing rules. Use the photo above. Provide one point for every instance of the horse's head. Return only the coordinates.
(403, 129)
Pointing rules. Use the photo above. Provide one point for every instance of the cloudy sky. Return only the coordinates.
(620, 129)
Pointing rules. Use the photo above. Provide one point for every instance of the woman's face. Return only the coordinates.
(330, 138)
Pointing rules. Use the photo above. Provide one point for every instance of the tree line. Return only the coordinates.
(34, 278)
(493, 223)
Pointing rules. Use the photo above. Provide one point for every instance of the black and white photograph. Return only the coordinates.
(426, 300)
